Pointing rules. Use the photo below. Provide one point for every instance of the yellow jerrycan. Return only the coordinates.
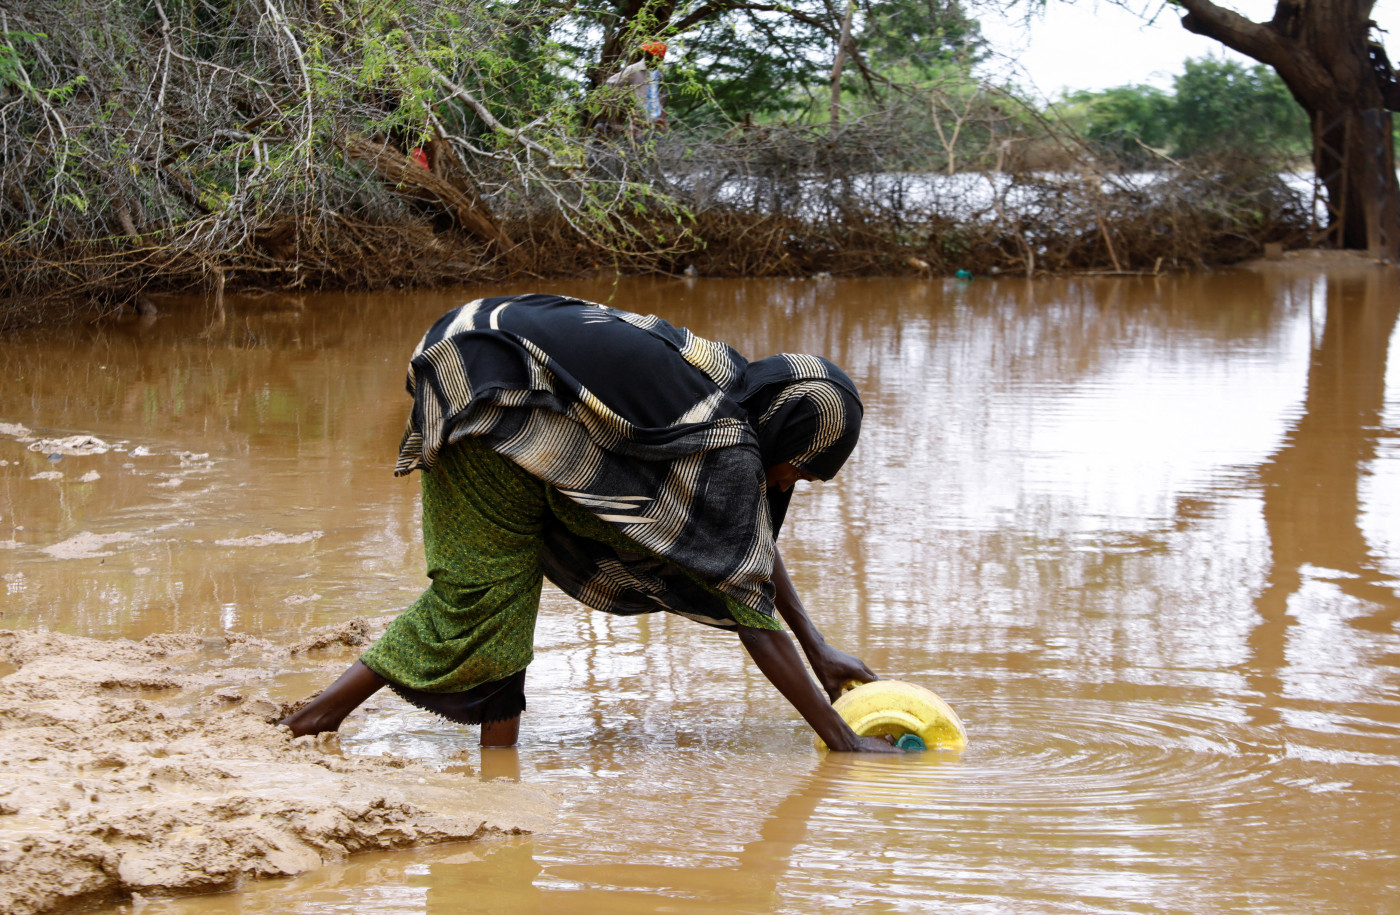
(895, 708)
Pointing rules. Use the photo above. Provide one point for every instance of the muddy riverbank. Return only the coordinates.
(135, 769)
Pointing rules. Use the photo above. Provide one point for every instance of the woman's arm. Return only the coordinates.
(775, 655)
(834, 668)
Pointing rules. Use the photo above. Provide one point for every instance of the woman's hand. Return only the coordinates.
(882, 744)
(777, 657)
(835, 668)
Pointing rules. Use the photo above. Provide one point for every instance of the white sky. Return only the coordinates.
(1097, 45)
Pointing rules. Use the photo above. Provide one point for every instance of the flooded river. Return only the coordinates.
(1143, 534)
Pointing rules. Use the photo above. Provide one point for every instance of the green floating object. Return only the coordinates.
(963, 274)
(911, 743)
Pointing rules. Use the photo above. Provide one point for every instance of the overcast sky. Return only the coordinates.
(1089, 45)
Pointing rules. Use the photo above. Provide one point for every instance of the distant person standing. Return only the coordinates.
(643, 80)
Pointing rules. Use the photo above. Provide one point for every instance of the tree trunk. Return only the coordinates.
(1319, 48)
(841, 44)
(1353, 156)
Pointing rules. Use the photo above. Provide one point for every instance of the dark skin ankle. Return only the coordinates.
(500, 733)
(328, 710)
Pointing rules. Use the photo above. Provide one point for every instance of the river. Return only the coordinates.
(1143, 534)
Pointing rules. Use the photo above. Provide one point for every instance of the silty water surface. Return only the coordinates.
(1141, 534)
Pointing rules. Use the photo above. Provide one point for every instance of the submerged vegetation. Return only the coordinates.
(150, 145)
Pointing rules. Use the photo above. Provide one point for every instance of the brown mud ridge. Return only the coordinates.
(128, 769)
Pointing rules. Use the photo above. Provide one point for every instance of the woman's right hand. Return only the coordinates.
(873, 745)
(777, 657)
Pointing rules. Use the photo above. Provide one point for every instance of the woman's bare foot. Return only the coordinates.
(328, 710)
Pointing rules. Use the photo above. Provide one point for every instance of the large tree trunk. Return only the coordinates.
(1320, 50)
(1353, 156)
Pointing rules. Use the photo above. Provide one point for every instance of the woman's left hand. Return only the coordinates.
(835, 668)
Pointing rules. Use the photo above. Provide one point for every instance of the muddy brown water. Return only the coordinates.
(1143, 534)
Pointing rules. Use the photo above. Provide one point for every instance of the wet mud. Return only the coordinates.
(135, 769)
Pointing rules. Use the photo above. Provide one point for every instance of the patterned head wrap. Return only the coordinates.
(805, 411)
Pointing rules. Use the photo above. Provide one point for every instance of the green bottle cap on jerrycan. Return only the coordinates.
(894, 708)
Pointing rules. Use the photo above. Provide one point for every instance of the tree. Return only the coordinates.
(1215, 106)
(1322, 51)
(762, 56)
(1223, 104)
(1127, 123)
(922, 36)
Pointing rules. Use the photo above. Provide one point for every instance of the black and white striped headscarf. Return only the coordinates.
(805, 411)
(660, 433)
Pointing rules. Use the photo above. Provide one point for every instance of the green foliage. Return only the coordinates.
(1128, 122)
(11, 63)
(922, 37)
(12, 67)
(748, 67)
(763, 62)
(1215, 106)
(1222, 104)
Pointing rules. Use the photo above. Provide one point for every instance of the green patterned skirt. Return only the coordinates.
(461, 649)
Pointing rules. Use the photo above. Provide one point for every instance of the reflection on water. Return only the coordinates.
(1142, 535)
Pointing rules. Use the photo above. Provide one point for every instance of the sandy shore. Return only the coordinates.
(134, 768)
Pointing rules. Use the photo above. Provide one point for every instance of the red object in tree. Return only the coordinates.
(417, 155)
